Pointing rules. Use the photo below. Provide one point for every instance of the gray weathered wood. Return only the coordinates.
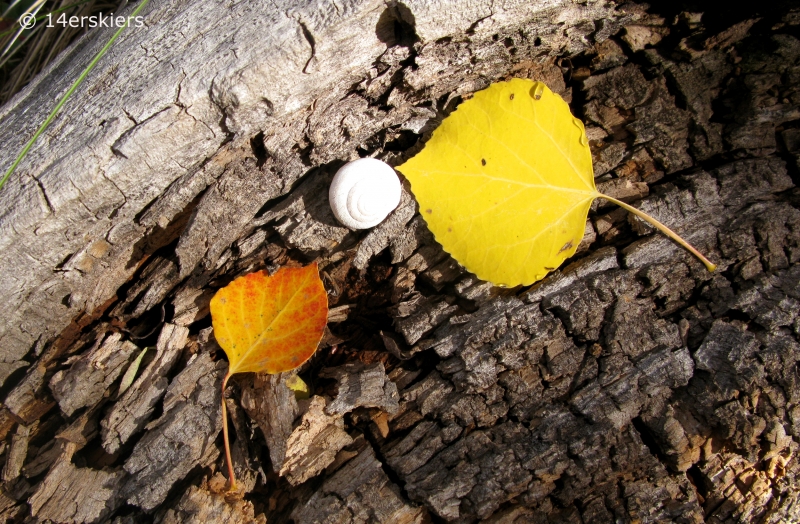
(361, 385)
(359, 492)
(17, 452)
(271, 404)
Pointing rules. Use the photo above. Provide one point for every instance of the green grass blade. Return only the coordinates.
(69, 92)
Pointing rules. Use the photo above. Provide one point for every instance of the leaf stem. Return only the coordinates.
(225, 434)
(661, 227)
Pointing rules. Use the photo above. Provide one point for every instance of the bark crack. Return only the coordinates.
(310, 39)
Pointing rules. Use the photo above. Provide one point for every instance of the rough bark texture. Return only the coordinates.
(631, 385)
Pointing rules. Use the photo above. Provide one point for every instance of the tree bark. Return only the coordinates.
(630, 385)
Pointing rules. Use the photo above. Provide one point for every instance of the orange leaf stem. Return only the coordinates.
(225, 434)
(664, 229)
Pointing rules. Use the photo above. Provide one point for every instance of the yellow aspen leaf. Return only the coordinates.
(505, 183)
(268, 324)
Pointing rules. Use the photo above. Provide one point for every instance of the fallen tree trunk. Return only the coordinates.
(630, 385)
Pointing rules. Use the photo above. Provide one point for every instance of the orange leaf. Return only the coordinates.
(270, 324)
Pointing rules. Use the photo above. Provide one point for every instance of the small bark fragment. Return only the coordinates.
(132, 411)
(181, 438)
(314, 443)
(84, 383)
(29, 400)
(361, 385)
(390, 232)
(359, 492)
(76, 495)
(272, 405)
(16, 453)
(199, 506)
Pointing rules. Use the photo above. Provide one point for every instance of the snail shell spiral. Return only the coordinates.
(363, 193)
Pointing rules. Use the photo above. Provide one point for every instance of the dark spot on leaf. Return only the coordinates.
(549, 268)
(483, 161)
(511, 96)
(429, 211)
(566, 246)
(449, 229)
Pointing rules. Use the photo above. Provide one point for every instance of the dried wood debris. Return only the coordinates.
(199, 506)
(361, 385)
(84, 383)
(30, 399)
(76, 495)
(183, 437)
(313, 445)
(133, 410)
(359, 492)
(16, 454)
(272, 405)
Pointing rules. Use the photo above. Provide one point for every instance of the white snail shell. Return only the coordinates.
(364, 192)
